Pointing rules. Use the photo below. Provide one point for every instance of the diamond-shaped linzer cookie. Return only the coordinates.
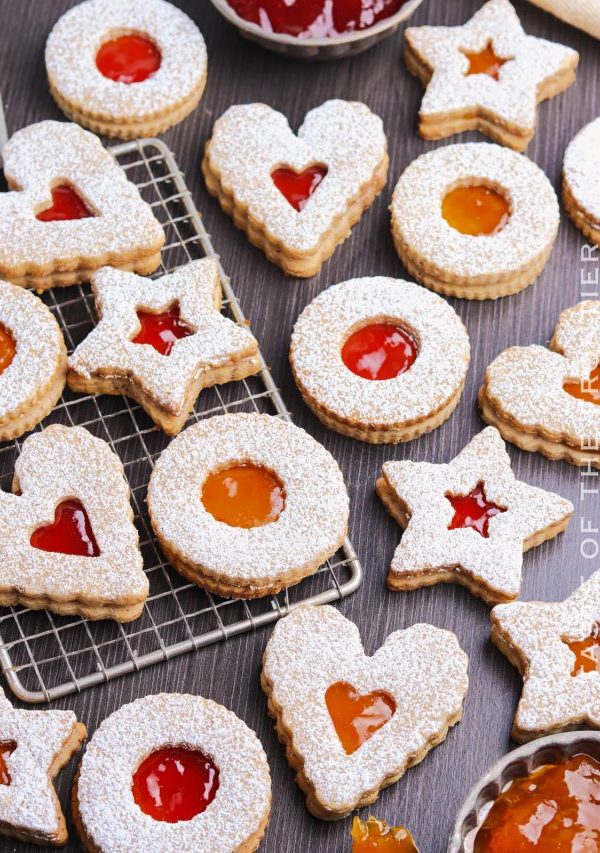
(556, 648)
(35, 746)
(161, 341)
(353, 724)
(467, 521)
(67, 538)
(71, 210)
(297, 196)
(486, 75)
(548, 400)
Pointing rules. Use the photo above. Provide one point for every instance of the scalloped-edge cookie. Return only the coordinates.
(114, 806)
(380, 359)
(35, 746)
(486, 75)
(33, 361)
(581, 180)
(297, 196)
(548, 400)
(92, 215)
(554, 645)
(161, 341)
(468, 521)
(67, 538)
(319, 680)
(126, 69)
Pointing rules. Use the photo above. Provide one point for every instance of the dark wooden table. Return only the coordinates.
(428, 797)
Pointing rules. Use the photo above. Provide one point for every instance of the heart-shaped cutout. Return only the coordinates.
(297, 187)
(66, 204)
(357, 716)
(162, 329)
(70, 532)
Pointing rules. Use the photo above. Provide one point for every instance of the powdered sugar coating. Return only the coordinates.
(78, 35)
(427, 544)
(314, 518)
(417, 210)
(250, 141)
(422, 667)
(108, 810)
(581, 170)
(326, 323)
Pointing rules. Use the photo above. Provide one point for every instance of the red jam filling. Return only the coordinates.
(473, 510)
(175, 783)
(475, 210)
(357, 716)
(244, 495)
(70, 533)
(587, 653)
(588, 390)
(6, 748)
(372, 834)
(128, 59)
(8, 348)
(297, 187)
(485, 62)
(66, 204)
(380, 351)
(162, 330)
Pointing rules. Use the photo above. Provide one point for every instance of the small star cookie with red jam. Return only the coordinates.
(161, 341)
(468, 521)
(486, 75)
(581, 180)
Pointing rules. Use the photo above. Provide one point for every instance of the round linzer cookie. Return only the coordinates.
(33, 361)
(548, 400)
(245, 505)
(352, 724)
(581, 180)
(124, 68)
(172, 772)
(474, 220)
(380, 359)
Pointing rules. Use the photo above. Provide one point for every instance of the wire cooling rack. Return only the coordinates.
(44, 656)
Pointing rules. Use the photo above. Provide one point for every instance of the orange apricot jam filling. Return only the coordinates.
(476, 210)
(485, 61)
(587, 653)
(244, 495)
(588, 389)
(357, 716)
(8, 348)
(372, 834)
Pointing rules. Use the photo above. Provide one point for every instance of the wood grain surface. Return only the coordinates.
(428, 797)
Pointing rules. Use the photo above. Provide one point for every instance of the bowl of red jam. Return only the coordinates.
(543, 796)
(316, 29)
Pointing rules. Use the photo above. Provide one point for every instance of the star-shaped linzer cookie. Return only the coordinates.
(34, 746)
(486, 75)
(467, 521)
(556, 648)
(161, 341)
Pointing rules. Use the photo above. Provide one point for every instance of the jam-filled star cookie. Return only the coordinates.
(67, 538)
(245, 505)
(468, 521)
(380, 359)
(35, 745)
(161, 341)
(172, 772)
(125, 68)
(71, 210)
(486, 75)
(548, 400)
(556, 648)
(297, 196)
(474, 220)
(33, 361)
(353, 724)
(581, 180)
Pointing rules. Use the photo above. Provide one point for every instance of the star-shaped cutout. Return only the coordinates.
(423, 498)
(37, 744)
(502, 104)
(194, 344)
(555, 647)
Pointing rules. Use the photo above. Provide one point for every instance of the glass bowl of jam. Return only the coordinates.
(316, 29)
(541, 797)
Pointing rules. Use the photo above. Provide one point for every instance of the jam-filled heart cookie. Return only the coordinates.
(71, 210)
(581, 180)
(67, 538)
(548, 400)
(380, 359)
(35, 745)
(474, 220)
(245, 505)
(297, 196)
(33, 361)
(172, 772)
(353, 724)
(468, 521)
(125, 68)
(161, 341)
(556, 648)
(486, 75)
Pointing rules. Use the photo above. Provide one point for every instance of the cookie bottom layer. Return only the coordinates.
(588, 227)
(32, 411)
(142, 264)
(89, 608)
